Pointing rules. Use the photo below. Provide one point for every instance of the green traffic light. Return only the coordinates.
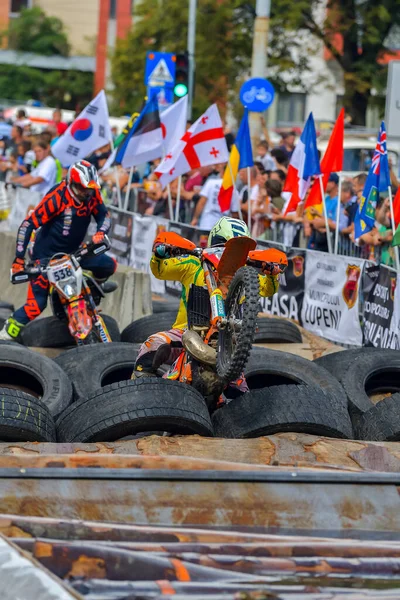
(180, 90)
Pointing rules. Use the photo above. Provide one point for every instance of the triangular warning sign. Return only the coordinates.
(161, 73)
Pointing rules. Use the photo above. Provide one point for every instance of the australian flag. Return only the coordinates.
(378, 180)
(144, 141)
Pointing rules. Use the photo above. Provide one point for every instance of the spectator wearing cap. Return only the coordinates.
(287, 143)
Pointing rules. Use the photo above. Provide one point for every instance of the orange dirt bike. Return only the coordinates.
(74, 294)
(222, 315)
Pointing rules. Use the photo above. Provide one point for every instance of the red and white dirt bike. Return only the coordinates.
(222, 316)
(74, 294)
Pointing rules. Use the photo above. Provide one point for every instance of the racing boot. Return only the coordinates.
(138, 372)
(11, 330)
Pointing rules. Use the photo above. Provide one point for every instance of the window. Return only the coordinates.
(291, 109)
(18, 5)
(113, 9)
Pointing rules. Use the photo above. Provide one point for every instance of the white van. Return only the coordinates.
(358, 153)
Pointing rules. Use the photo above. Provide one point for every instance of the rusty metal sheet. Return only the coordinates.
(283, 501)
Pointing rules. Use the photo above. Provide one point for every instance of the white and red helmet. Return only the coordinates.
(83, 180)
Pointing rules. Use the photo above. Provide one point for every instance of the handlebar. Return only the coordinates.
(33, 270)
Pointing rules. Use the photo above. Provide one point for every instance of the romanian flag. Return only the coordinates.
(241, 156)
(332, 161)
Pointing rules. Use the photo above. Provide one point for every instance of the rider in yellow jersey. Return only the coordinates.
(188, 270)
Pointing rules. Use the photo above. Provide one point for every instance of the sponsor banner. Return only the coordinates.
(379, 327)
(25, 202)
(288, 301)
(145, 230)
(331, 297)
(395, 323)
(120, 236)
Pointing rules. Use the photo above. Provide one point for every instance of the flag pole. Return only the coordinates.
(178, 199)
(396, 248)
(328, 231)
(116, 177)
(338, 214)
(248, 199)
(128, 188)
(234, 187)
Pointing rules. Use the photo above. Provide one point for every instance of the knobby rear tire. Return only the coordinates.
(231, 362)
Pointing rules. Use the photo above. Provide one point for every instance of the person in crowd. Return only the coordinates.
(280, 158)
(287, 144)
(58, 123)
(244, 192)
(207, 210)
(16, 138)
(318, 239)
(44, 175)
(264, 156)
(22, 119)
(278, 175)
(262, 174)
(63, 217)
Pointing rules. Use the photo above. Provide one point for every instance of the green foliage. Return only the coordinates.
(223, 49)
(24, 83)
(364, 27)
(34, 31)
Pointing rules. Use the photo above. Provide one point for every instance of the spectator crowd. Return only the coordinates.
(26, 160)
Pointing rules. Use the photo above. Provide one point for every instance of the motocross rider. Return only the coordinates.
(188, 270)
(63, 216)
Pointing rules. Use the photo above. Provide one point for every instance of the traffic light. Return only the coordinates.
(181, 87)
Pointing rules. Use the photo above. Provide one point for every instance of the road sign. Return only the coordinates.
(160, 69)
(257, 94)
(392, 116)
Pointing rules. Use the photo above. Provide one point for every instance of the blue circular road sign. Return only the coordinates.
(257, 94)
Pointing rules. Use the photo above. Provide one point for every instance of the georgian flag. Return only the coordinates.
(173, 123)
(203, 144)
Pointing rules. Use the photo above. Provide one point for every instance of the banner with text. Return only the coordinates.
(379, 309)
(145, 230)
(120, 236)
(331, 297)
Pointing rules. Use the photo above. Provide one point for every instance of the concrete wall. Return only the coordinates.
(131, 301)
(81, 22)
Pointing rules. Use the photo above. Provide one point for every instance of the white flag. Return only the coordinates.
(87, 133)
(203, 144)
(173, 123)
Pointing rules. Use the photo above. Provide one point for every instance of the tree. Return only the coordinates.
(34, 31)
(355, 32)
(223, 49)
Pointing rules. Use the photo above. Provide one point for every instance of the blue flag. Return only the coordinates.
(243, 142)
(378, 180)
(144, 141)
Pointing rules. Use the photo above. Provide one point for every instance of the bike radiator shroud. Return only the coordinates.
(198, 307)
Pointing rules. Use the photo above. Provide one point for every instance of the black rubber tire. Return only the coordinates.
(50, 332)
(5, 313)
(266, 368)
(337, 363)
(131, 407)
(138, 331)
(35, 374)
(381, 423)
(24, 418)
(7, 306)
(298, 408)
(276, 331)
(167, 305)
(92, 367)
(369, 373)
(231, 364)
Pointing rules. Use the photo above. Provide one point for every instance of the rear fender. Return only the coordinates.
(181, 370)
(79, 322)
